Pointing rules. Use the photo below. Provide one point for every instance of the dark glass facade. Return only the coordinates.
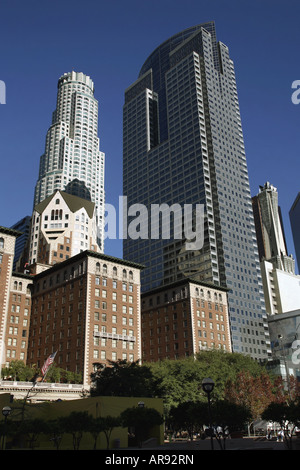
(183, 144)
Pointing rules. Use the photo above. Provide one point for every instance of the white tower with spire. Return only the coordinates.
(72, 160)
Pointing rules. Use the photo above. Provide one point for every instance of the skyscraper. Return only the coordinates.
(72, 160)
(183, 144)
(295, 225)
(281, 285)
(269, 229)
(22, 226)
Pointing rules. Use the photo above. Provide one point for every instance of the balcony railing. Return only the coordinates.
(40, 385)
(103, 334)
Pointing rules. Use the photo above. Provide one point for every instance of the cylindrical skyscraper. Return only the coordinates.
(72, 160)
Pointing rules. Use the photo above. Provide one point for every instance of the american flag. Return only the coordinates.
(48, 363)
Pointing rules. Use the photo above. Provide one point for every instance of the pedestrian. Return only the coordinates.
(280, 435)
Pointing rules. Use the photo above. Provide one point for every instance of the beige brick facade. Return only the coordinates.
(181, 319)
(86, 309)
(18, 318)
(7, 247)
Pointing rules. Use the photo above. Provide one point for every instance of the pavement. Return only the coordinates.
(245, 443)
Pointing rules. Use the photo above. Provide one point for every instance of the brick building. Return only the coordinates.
(87, 309)
(18, 318)
(183, 318)
(15, 302)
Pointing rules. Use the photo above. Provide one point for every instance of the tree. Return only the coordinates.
(76, 423)
(122, 378)
(228, 417)
(32, 428)
(142, 419)
(59, 375)
(18, 371)
(179, 381)
(287, 415)
(55, 429)
(188, 416)
(253, 392)
(104, 424)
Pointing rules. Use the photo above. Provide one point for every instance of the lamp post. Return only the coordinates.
(208, 386)
(6, 410)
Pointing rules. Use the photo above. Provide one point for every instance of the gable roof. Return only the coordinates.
(74, 203)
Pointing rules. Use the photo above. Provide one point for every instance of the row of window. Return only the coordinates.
(12, 354)
(212, 326)
(14, 330)
(201, 303)
(103, 329)
(125, 286)
(103, 304)
(18, 298)
(125, 274)
(16, 319)
(114, 357)
(114, 318)
(19, 286)
(202, 345)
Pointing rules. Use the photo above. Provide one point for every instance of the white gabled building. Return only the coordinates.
(72, 160)
(62, 226)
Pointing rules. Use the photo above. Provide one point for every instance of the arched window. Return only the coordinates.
(97, 267)
(115, 271)
(1, 242)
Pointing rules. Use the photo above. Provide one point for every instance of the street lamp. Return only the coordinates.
(208, 386)
(6, 410)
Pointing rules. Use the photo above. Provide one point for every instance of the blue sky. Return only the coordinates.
(110, 40)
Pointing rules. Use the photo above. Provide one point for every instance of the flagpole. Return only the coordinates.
(44, 376)
(48, 364)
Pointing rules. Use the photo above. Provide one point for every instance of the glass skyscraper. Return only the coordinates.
(72, 160)
(295, 225)
(183, 144)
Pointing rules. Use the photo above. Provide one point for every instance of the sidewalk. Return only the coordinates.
(246, 443)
